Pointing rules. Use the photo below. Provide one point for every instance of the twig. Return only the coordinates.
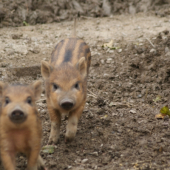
(150, 42)
(92, 93)
(40, 100)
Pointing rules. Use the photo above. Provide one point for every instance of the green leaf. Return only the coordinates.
(25, 23)
(165, 110)
(158, 98)
(48, 149)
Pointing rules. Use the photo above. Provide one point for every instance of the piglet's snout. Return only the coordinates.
(17, 116)
(67, 104)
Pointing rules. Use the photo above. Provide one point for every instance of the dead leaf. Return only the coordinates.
(160, 116)
(104, 117)
(110, 44)
(48, 149)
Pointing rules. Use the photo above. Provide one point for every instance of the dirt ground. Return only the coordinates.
(118, 129)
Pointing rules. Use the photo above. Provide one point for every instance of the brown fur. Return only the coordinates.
(24, 137)
(68, 66)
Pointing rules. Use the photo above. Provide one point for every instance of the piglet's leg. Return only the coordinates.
(8, 160)
(71, 128)
(33, 159)
(40, 163)
(55, 117)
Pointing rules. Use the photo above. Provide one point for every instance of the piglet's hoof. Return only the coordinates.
(52, 141)
(68, 139)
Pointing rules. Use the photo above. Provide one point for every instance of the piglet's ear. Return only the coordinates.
(45, 69)
(37, 89)
(2, 85)
(82, 67)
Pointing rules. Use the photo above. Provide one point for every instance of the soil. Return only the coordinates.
(31, 12)
(118, 128)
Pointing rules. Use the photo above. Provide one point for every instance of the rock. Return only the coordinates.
(108, 61)
(106, 8)
(119, 50)
(77, 7)
(111, 51)
(35, 50)
(77, 161)
(132, 111)
(153, 51)
(167, 54)
(102, 61)
(166, 50)
(95, 154)
(132, 9)
(140, 95)
(33, 17)
(42, 111)
(84, 161)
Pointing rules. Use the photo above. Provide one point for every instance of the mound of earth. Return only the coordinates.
(21, 12)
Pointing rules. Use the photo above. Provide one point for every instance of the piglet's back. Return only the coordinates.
(70, 50)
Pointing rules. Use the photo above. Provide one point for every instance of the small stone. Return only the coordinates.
(95, 167)
(42, 111)
(95, 154)
(166, 50)
(77, 161)
(167, 54)
(111, 51)
(106, 8)
(132, 9)
(102, 61)
(69, 167)
(152, 50)
(119, 50)
(108, 61)
(99, 47)
(84, 161)
(98, 22)
(132, 111)
(35, 50)
(126, 94)
(139, 96)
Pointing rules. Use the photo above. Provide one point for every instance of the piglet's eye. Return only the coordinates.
(76, 85)
(7, 101)
(29, 100)
(55, 86)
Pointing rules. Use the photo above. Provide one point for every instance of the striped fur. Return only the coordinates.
(70, 50)
(66, 80)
